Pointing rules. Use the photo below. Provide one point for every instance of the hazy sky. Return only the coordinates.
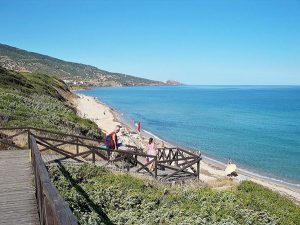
(196, 42)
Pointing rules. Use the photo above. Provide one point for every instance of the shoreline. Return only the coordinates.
(212, 170)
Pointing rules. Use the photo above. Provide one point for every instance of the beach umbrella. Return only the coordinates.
(139, 126)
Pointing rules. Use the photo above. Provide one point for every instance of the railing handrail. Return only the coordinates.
(193, 153)
(160, 158)
(96, 147)
(53, 210)
(49, 131)
(190, 152)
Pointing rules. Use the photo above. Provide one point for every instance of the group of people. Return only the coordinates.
(111, 142)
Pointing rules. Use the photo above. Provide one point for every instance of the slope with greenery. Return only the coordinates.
(20, 60)
(97, 196)
(38, 100)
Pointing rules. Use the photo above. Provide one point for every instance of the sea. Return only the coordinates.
(257, 127)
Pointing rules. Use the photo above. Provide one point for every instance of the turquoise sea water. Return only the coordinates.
(256, 126)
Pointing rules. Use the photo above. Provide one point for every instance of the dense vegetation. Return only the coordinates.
(38, 100)
(21, 60)
(97, 196)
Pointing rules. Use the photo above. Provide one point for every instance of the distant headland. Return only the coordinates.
(75, 75)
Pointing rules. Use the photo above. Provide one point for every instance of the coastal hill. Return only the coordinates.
(42, 101)
(72, 73)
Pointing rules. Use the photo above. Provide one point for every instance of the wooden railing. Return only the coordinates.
(80, 148)
(88, 153)
(180, 161)
(52, 208)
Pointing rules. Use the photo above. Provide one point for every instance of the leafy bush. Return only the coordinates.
(98, 196)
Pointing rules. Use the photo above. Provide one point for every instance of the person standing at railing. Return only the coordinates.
(151, 151)
(111, 140)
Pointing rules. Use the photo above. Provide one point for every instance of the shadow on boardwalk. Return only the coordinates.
(80, 190)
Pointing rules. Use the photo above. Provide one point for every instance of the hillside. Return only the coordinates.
(38, 100)
(73, 73)
(97, 196)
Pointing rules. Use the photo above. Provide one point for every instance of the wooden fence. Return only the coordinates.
(181, 161)
(52, 208)
(82, 149)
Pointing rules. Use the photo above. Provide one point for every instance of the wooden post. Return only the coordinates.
(94, 157)
(155, 167)
(30, 150)
(128, 162)
(108, 155)
(198, 169)
(28, 136)
(50, 219)
(135, 158)
(176, 163)
(77, 145)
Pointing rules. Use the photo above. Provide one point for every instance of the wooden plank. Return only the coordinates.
(56, 145)
(72, 157)
(175, 168)
(52, 207)
(146, 168)
(45, 143)
(174, 160)
(60, 151)
(183, 168)
(94, 150)
(17, 195)
(10, 144)
(12, 136)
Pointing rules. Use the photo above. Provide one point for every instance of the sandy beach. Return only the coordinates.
(212, 173)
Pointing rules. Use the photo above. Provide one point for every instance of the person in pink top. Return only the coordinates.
(151, 151)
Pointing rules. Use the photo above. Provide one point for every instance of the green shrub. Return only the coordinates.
(30, 99)
(98, 196)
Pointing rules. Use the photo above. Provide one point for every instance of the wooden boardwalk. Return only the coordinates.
(18, 203)
(17, 195)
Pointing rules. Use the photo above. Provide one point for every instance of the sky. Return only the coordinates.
(196, 42)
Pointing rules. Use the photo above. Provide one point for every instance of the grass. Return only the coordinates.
(38, 100)
(98, 196)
